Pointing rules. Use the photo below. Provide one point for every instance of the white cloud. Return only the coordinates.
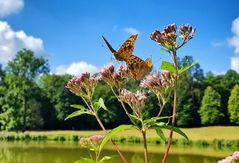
(76, 68)
(8, 7)
(131, 30)
(12, 41)
(234, 41)
(216, 44)
(235, 64)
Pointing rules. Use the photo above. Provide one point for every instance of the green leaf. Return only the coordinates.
(100, 104)
(77, 113)
(96, 106)
(105, 158)
(177, 130)
(168, 66)
(153, 120)
(134, 117)
(114, 132)
(185, 67)
(85, 160)
(77, 106)
(160, 133)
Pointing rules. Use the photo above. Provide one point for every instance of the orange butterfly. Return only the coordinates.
(125, 50)
(138, 68)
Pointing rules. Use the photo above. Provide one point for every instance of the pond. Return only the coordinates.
(67, 152)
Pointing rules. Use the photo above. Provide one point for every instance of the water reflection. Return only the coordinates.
(55, 152)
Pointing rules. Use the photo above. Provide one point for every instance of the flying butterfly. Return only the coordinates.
(125, 50)
(138, 68)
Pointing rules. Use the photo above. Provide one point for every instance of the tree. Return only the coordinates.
(189, 94)
(211, 111)
(20, 77)
(60, 100)
(223, 84)
(233, 105)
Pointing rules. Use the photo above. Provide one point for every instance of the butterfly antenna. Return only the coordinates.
(109, 46)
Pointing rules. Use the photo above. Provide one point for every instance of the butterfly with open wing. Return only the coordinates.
(138, 68)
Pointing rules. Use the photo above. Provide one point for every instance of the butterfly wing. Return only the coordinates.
(138, 68)
(127, 47)
(113, 51)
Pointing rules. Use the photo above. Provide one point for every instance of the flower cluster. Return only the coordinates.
(91, 142)
(159, 83)
(167, 38)
(234, 158)
(115, 79)
(135, 100)
(83, 85)
(187, 32)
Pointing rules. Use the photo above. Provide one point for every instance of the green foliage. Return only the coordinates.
(210, 111)
(189, 93)
(19, 90)
(233, 105)
(168, 66)
(186, 67)
(223, 84)
(115, 116)
(175, 129)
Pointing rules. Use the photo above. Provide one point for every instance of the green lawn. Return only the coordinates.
(202, 133)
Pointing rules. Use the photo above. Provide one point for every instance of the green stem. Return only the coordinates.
(161, 106)
(123, 105)
(174, 107)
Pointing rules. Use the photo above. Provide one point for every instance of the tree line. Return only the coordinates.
(31, 98)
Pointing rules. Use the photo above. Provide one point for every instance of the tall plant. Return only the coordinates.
(162, 84)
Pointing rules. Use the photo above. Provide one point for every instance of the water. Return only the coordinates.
(67, 152)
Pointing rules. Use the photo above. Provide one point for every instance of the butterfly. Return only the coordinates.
(125, 50)
(138, 68)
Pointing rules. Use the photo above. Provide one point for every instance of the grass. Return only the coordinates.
(201, 133)
(216, 136)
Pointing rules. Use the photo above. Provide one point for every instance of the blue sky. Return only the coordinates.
(69, 33)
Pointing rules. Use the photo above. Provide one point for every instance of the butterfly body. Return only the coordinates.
(138, 68)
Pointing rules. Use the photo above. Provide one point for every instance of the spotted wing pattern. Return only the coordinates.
(125, 50)
(138, 68)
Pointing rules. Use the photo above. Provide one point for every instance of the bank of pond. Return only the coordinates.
(215, 143)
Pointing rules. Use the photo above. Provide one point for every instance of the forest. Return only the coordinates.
(32, 98)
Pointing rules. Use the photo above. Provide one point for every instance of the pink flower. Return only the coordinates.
(159, 83)
(92, 141)
(83, 85)
(106, 72)
(166, 38)
(96, 139)
(187, 32)
(135, 100)
(234, 158)
(112, 78)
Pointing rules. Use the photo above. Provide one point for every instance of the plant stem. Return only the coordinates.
(116, 146)
(161, 106)
(124, 107)
(143, 131)
(174, 107)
